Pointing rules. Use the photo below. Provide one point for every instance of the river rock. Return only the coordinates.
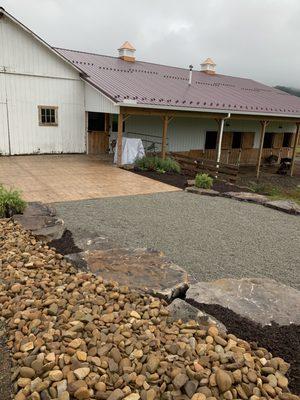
(223, 380)
(109, 341)
(260, 300)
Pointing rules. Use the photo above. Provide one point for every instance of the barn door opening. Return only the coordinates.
(98, 133)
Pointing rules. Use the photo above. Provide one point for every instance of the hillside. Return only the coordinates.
(293, 91)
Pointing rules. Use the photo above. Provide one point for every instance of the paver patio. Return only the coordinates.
(51, 178)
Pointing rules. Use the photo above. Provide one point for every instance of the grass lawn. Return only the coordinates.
(276, 192)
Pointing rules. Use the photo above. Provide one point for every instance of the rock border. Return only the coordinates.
(286, 206)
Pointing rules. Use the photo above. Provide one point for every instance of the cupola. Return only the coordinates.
(126, 52)
(208, 66)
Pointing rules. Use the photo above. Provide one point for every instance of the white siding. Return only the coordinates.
(189, 133)
(97, 102)
(31, 76)
(21, 53)
(27, 136)
(4, 145)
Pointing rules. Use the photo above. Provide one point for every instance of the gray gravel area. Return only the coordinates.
(211, 237)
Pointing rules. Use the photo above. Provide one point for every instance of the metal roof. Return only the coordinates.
(155, 85)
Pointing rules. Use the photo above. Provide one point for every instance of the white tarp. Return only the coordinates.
(131, 150)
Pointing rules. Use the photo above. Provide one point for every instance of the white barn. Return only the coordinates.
(36, 79)
(63, 101)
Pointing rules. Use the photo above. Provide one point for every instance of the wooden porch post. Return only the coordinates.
(119, 140)
(297, 134)
(264, 124)
(164, 136)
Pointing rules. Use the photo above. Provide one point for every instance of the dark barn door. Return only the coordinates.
(98, 133)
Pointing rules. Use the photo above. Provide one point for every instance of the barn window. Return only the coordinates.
(48, 116)
(287, 139)
(211, 140)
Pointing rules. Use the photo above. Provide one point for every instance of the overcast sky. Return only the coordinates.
(258, 39)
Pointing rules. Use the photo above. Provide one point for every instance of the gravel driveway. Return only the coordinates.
(211, 237)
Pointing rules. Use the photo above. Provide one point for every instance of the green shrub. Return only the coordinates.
(203, 181)
(158, 164)
(11, 202)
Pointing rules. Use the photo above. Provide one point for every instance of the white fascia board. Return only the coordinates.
(206, 110)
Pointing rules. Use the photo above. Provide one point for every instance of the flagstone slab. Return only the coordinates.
(287, 206)
(180, 309)
(42, 221)
(261, 300)
(140, 268)
(247, 196)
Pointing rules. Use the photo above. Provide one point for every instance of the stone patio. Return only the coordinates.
(56, 178)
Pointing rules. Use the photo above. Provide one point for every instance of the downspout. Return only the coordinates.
(221, 130)
(221, 137)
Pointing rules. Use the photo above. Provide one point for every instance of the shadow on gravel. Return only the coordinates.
(65, 245)
(281, 341)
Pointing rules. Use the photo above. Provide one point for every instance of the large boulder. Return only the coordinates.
(260, 300)
(180, 309)
(247, 196)
(42, 221)
(141, 268)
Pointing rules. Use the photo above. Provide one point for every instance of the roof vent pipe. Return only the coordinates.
(191, 73)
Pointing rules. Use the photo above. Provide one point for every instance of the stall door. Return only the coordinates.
(98, 133)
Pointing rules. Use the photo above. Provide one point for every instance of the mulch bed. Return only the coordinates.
(65, 245)
(180, 181)
(170, 178)
(281, 341)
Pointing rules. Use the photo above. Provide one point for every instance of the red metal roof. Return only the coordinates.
(165, 86)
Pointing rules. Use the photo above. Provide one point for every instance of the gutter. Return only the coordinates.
(207, 110)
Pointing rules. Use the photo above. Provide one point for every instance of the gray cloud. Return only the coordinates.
(258, 39)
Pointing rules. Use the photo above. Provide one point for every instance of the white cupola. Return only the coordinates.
(126, 52)
(208, 66)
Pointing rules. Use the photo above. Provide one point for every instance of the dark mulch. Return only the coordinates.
(223, 187)
(180, 181)
(177, 180)
(281, 341)
(65, 245)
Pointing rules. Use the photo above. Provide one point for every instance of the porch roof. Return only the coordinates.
(159, 86)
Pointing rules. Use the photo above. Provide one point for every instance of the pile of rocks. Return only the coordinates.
(72, 336)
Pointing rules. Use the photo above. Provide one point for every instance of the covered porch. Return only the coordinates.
(239, 139)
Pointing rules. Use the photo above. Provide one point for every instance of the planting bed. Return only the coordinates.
(180, 181)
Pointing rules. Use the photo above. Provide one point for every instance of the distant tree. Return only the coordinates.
(293, 91)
